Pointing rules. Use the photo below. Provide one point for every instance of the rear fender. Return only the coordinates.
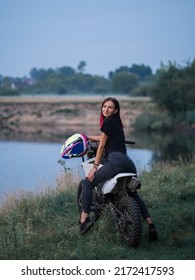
(117, 181)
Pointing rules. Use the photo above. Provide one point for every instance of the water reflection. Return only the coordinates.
(167, 147)
(176, 148)
(34, 164)
(27, 165)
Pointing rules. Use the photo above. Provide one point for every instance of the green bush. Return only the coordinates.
(141, 90)
(151, 121)
(8, 92)
(174, 88)
(191, 117)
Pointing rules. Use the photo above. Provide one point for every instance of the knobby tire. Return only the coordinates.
(129, 226)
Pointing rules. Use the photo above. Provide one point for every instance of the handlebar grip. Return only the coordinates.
(130, 142)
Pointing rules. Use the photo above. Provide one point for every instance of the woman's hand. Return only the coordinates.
(90, 175)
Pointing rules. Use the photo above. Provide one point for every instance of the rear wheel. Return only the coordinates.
(129, 221)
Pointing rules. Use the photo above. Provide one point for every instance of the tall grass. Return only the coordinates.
(45, 225)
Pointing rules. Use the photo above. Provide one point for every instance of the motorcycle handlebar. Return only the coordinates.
(126, 142)
(130, 142)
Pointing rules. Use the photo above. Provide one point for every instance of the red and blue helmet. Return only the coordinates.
(76, 145)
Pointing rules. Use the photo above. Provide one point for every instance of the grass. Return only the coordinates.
(45, 225)
(85, 98)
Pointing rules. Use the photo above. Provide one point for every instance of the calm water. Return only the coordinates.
(35, 165)
(32, 166)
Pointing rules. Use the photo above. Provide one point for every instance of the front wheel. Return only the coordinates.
(129, 221)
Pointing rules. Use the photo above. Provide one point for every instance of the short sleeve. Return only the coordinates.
(106, 127)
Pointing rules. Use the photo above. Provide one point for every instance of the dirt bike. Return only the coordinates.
(117, 195)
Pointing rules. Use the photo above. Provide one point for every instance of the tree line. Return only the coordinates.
(172, 87)
(67, 80)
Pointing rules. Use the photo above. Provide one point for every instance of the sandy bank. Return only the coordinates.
(61, 115)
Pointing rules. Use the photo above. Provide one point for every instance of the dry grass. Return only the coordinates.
(68, 99)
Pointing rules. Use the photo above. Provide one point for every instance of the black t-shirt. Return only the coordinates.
(116, 138)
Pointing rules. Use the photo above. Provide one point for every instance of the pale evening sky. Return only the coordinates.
(106, 34)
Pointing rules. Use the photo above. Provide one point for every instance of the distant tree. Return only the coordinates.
(7, 87)
(89, 83)
(174, 88)
(122, 69)
(189, 85)
(142, 71)
(33, 73)
(6, 82)
(40, 74)
(66, 71)
(110, 75)
(81, 66)
(144, 89)
(124, 82)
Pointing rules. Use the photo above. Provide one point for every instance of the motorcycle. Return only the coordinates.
(115, 194)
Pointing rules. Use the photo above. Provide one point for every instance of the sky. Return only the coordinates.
(106, 34)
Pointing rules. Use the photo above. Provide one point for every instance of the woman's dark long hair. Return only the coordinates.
(117, 107)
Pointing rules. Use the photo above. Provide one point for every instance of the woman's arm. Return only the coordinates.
(94, 138)
(100, 150)
(101, 146)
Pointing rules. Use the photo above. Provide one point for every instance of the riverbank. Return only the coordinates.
(30, 224)
(49, 117)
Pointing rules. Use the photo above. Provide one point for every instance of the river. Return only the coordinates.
(36, 165)
(32, 166)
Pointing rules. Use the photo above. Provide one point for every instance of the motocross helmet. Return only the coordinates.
(76, 145)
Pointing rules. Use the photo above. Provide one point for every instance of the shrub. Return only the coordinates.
(8, 92)
(191, 117)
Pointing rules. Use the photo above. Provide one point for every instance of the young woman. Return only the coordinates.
(112, 144)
